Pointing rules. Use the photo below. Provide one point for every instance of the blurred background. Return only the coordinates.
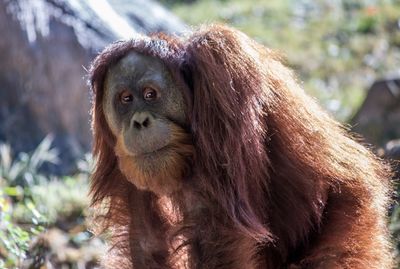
(346, 54)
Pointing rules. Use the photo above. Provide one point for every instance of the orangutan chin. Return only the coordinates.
(210, 155)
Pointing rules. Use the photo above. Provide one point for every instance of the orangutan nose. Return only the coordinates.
(141, 120)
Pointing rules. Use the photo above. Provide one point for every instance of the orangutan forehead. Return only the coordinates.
(135, 68)
(138, 64)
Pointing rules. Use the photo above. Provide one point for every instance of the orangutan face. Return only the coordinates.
(146, 112)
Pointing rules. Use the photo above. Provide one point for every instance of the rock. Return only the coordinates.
(392, 149)
(378, 119)
(392, 152)
(44, 50)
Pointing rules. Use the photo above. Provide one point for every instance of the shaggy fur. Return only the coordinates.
(270, 180)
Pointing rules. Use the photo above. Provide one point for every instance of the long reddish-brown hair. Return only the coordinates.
(268, 162)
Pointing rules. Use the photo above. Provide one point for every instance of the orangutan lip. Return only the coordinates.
(152, 153)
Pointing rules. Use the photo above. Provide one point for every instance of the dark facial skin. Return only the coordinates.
(141, 103)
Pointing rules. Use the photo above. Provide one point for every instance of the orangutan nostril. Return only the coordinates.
(137, 125)
(146, 122)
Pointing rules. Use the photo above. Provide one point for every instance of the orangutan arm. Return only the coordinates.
(214, 243)
(147, 233)
(351, 235)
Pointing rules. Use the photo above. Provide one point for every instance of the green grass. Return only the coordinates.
(31, 202)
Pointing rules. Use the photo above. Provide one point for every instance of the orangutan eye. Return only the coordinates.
(126, 97)
(150, 94)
